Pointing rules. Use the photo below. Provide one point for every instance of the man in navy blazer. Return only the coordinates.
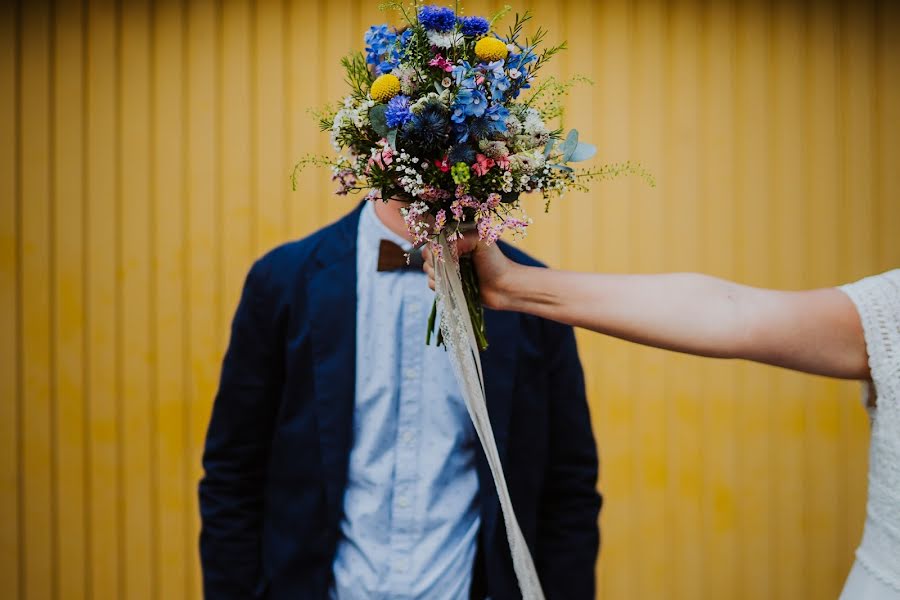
(281, 434)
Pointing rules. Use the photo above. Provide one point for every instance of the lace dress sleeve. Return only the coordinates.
(877, 299)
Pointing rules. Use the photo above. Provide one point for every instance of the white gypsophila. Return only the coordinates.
(445, 40)
(415, 224)
(411, 180)
(532, 123)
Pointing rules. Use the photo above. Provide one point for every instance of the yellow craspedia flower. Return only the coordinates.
(384, 88)
(490, 49)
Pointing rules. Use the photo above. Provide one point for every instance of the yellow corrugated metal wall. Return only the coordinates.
(144, 154)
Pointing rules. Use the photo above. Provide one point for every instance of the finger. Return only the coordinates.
(467, 243)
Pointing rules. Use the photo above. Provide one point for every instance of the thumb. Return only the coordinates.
(468, 243)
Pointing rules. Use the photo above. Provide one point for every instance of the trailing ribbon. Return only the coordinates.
(461, 344)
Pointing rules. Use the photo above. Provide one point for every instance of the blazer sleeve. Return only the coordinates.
(568, 529)
(237, 446)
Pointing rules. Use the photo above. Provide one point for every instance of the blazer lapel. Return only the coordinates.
(331, 297)
(498, 364)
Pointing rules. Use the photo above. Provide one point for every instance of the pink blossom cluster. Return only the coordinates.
(346, 179)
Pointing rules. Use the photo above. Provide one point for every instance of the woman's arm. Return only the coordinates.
(815, 331)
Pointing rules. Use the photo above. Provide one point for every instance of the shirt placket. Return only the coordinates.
(405, 520)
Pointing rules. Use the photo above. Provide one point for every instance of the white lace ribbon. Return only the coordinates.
(459, 338)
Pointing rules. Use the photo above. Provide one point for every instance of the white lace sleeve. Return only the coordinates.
(877, 299)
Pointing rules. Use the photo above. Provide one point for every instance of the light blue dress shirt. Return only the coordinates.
(411, 515)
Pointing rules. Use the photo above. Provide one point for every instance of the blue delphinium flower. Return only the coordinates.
(497, 114)
(437, 18)
(461, 73)
(398, 50)
(397, 113)
(470, 102)
(483, 127)
(380, 41)
(516, 63)
(474, 26)
(499, 81)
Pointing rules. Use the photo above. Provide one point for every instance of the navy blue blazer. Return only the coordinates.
(279, 438)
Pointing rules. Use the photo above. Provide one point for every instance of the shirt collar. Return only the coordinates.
(372, 230)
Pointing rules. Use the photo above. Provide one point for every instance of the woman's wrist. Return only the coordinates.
(510, 287)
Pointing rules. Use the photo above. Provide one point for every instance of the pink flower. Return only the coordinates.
(503, 162)
(482, 164)
(443, 164)
(383, 158)
(441, 63)
(457, 210)
(440, 220)
(493, 201)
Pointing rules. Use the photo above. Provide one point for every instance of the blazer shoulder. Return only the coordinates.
(519, 256)
(287, 262)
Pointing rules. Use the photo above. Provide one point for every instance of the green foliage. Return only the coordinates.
(324, 116)
(359, 78)
(515, 30)
(612, 171)
(310, 160)
(500, 14)
(403, 9)
(548, 98)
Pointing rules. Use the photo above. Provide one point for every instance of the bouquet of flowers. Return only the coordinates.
(444, 114)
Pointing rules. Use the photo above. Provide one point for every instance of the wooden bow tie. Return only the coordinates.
(392, 257)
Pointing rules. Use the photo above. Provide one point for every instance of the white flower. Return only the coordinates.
(446, 81)
(514, 73)
(533, 123)
(445, 40)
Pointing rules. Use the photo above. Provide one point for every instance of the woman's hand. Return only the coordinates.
(494, 270)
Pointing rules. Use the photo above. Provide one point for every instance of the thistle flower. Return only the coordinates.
(427, 129)
(461, 153)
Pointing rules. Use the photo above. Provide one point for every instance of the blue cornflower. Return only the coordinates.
(380, 41)
(474, 26)
(437, 18)
(397, 112)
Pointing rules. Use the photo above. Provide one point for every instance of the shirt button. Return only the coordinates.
(407, 436)
(402, 502)
(410, 374)
(400, 565)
